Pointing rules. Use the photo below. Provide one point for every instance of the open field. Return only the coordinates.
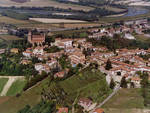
(44, 3)
(142, 38)
(16, 87)
(4, 19)
(134, 110)
(3, 81)
(126, 98)
(9, 37)
(115, 9)
(4, 99)
(118, 19)
(47, 20)
(30, 97)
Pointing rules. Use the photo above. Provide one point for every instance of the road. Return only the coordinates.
(109, 97)
(11, 80)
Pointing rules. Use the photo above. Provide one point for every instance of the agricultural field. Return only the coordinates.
(126, 98)
(9, 37)
(48, 20)
(4, 19)
(6, 40)
(3, 81)
(43, 3)
(16, 88)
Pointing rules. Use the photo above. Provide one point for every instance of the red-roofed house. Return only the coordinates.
(99, 111)
(63, 110)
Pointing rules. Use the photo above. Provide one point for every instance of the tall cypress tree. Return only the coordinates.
(108, 65)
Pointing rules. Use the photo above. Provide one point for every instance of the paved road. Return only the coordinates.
(109, 97)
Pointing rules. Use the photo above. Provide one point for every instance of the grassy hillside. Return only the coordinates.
(16, 87)
(85, 84)
(30, 97)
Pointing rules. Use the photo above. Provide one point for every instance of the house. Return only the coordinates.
(85, 103)
(76, 58)
(38, 39)
(99, 110)
(14, 50)
(38, 51)
(136, 81)
(27, 54)
(61, 74)
(63, 110)
(52, 63)
(129, 36)
(2, 51)
(42, 67)
(25, 62)
(63, 43)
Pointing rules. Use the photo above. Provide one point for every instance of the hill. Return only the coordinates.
(80, 85)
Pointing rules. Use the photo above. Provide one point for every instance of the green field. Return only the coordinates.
(16, 87)
(126, 98)
(87, 84)
(3, 81)
(30, 97)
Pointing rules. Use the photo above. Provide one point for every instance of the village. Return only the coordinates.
(123, 63)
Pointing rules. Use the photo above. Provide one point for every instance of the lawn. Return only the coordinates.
(126, 99)
(3, 81)
(16, 87)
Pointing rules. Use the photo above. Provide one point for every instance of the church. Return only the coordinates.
(38, 38)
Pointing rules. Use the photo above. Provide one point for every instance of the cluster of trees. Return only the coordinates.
(33, 80)
(117, 42)
(42, 107)
(64, 62)
(52, 49)
(10, 65)
(108, 65)
(20, 44)
(72, 35)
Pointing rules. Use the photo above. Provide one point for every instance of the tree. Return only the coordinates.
(123, 82)
(112, 84)
(108, 65)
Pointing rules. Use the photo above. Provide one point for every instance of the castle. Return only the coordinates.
(38, 39)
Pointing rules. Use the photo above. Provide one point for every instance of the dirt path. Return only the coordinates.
(11, 80)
